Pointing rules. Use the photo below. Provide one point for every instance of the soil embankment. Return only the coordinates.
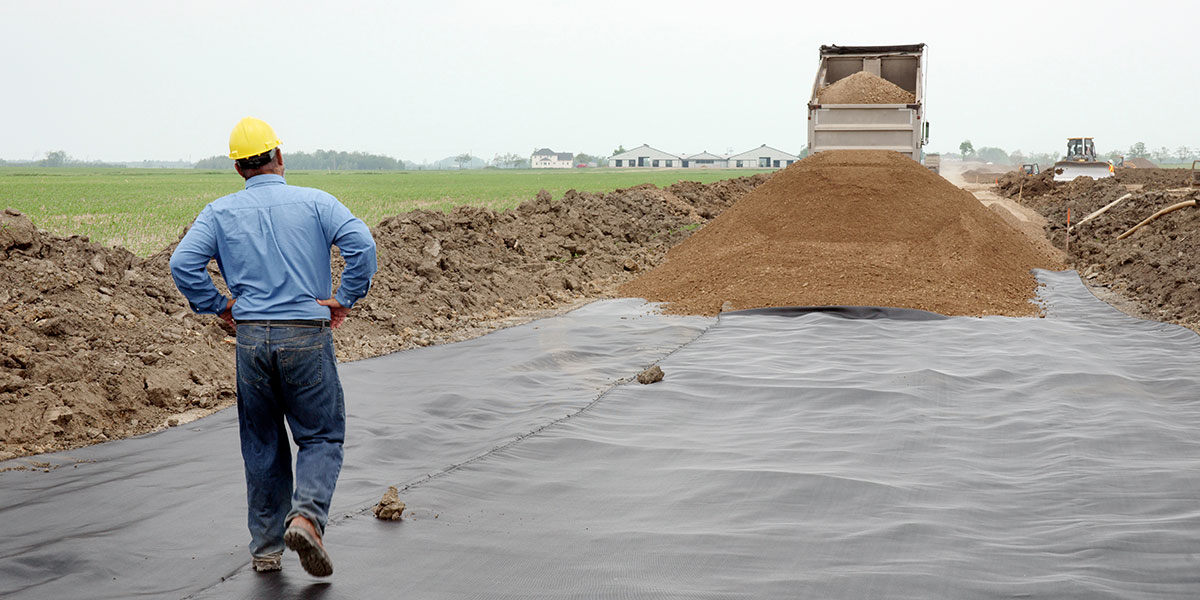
(96, 343)
(852, 228)
(1157, 269)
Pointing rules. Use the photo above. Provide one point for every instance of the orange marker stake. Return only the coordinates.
(1068, 231)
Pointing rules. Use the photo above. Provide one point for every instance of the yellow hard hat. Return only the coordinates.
(251, 137)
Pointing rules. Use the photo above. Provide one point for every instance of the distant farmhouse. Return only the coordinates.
(549, 159)
(763, 157)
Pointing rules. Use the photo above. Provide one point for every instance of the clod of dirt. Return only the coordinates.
(652, 375)
(864, 88)
(390, 507)
(866, 228)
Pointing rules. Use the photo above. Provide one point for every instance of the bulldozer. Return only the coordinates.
(1081, 162)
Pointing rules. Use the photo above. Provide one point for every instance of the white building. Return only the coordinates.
(705, 160)
(645, 156)
(549, 159)
(763, 157)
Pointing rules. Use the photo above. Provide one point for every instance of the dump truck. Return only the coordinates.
(899, 127)
(933, 162)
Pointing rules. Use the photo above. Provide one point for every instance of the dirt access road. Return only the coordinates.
(1143, 278)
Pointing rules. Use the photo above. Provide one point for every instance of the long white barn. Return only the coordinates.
(646, 157)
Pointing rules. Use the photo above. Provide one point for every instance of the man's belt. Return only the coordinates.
(285, 322)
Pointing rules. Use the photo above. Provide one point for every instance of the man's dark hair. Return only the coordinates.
(258, 160)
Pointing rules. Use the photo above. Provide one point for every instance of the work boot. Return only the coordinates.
(302, 537)
(268, 562)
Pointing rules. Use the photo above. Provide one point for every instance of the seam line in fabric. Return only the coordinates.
(524, 436)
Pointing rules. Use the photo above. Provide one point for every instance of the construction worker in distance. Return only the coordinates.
(272, 244)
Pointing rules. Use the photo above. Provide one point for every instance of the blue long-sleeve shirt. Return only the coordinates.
(272, 243)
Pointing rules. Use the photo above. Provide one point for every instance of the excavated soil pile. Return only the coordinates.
(1158, 267)
(983, 175)
(864, 88)
(852, 228)
(1140, 163)
(1010, 184)
(441, 273)
(93, 348)
(97, 344)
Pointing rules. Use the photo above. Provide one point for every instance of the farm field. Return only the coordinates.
(144, 210)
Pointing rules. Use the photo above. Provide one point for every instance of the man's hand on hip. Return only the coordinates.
(337, 312)
(227, 314)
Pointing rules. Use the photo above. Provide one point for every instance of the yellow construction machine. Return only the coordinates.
(1081, 161)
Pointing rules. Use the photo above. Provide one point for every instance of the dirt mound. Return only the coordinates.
(852, 228)
(97, 344)
(1157, 269)
(984, 175)
(1140, 163)
(864, 88)
(93, 347)
(441, 272)
(1155, 178)
(1014, 183)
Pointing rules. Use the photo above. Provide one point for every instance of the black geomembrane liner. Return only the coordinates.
(844, 453)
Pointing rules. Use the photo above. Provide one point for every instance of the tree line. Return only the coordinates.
(60, 158)
(328, 160)
(1161, 155)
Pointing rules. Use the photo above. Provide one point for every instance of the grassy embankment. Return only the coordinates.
(145, 209)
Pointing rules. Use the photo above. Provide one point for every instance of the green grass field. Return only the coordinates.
(146, 209)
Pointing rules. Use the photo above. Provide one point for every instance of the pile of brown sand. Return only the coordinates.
(96, 343)
(864, 88)
(870, 228)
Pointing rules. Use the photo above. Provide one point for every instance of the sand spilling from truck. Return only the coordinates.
(96, 343)
(864, 88)
(868, 228)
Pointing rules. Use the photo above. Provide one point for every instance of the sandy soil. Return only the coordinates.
(864, 88)
(865, 228)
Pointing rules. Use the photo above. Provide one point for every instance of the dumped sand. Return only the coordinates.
(97, 344)
(870, 228)
(864, 88)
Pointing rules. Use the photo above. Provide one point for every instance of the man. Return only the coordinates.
(272, 244)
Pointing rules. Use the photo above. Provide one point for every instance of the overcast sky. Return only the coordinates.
(123, 80)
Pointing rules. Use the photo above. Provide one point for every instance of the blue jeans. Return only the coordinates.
(288, 373)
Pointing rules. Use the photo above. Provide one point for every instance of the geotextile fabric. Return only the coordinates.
(787, 453)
